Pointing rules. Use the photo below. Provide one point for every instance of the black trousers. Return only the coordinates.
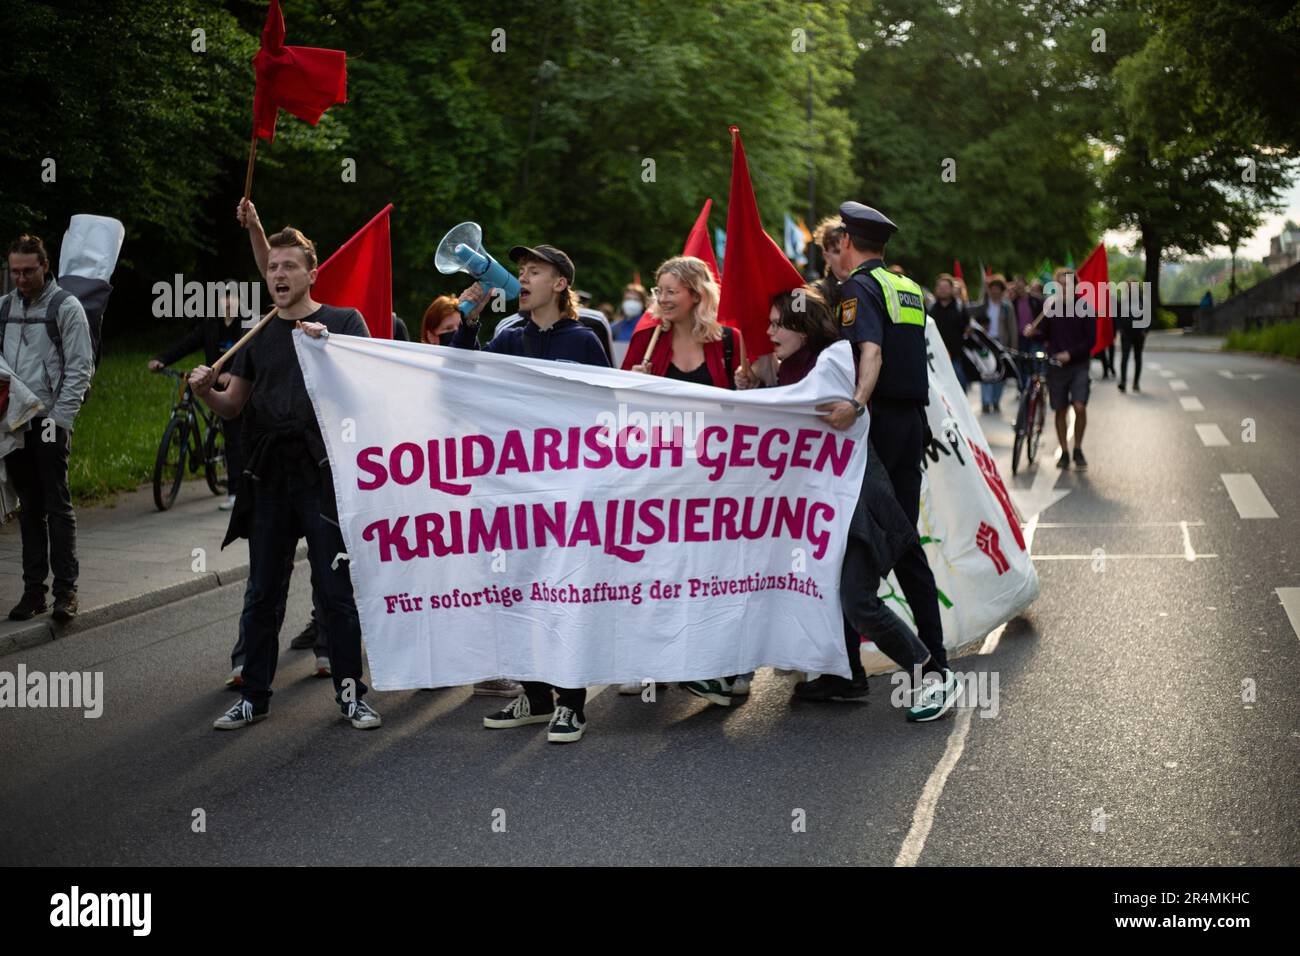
(539, 697)
(1131, 341)
(320, 648)
(282, 513)
(898, 435)
(39, 471)
(232, 428)
(866, 615)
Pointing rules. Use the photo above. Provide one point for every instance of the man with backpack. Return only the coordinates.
(45, 339)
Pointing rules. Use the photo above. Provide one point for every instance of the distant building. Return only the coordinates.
(1284, 249)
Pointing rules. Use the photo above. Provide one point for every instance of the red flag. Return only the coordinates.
(1096, 273)
(301, 79)
(360, 276)
(698, 245)
(755, 266)
(956, 270)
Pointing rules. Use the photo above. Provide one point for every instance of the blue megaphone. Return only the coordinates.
(461, 250)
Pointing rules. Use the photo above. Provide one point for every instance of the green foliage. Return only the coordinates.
(1280, 339)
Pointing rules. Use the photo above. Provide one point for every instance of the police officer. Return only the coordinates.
(882, 314)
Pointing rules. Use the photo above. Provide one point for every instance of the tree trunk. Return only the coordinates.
(1152, 247)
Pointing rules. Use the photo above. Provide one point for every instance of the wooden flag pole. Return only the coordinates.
(216, 367)
(744, 356)
(252, 158)
(654, 340)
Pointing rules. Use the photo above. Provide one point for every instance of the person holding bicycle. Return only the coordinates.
(215, 334)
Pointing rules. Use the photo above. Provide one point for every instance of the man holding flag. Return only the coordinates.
(286, 491)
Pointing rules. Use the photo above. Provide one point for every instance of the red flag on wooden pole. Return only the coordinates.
(755, 266)
(360, 276)
(698, 245)
(1096, 273)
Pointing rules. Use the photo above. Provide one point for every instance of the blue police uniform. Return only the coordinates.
(887, 310)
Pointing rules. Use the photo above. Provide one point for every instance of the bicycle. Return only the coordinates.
(193, 439)
(1033, 408)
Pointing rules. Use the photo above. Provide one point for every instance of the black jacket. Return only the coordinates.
(879, 521)
(565, 341)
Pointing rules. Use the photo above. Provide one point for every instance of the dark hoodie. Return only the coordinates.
(565, 341)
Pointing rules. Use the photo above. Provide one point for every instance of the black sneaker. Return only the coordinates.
(1080, 463)
(31, 604)
(831, 687)
(240, 715)
(518, 714)
(1122, 388)
(307, 639)
(1064, 460)
(362, 715)
(65, 607)
(567, 726)
(1137, 387)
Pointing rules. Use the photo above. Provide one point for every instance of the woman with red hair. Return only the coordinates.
(441, 320)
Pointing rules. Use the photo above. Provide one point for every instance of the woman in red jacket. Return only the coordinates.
(693, 346)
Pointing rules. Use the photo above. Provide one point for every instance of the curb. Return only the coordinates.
(35, 633)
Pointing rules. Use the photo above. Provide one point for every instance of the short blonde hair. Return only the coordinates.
(829, 232)
(695, 275)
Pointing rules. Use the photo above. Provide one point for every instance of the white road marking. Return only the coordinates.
(1181, 556)
(1226, 372)
(1154, 365)
(1178, 385)
(1192, 404)
(1211, 435)
(1256, 376)
(1120, 524)
(1247, 497)
(1290, 598)
(1165, 373)
(923, 816)
(1188, 550)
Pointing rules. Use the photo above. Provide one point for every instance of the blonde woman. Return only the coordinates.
(693, 346)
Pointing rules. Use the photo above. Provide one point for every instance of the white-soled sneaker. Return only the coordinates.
(566, 726)
(239, 715)
(362, 715)
(518, 714)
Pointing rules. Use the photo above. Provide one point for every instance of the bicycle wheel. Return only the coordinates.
(214, 459)
(169, 466)
(1019, 444)
(1037, 417)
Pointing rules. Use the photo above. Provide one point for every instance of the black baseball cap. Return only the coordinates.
(555, 257)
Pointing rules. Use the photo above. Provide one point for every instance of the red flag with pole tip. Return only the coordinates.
(1096, 272)
(956, 270)
(360, 276)
(755, 266)
(303, 80)
(698, 245)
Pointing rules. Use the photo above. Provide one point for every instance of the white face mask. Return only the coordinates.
(632, 308)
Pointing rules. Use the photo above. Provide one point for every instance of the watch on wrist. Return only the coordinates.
(858, 408)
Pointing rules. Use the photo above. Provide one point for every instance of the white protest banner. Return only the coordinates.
(511, 517)
(968, 526)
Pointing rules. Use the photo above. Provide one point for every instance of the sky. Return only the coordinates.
(1255, 248)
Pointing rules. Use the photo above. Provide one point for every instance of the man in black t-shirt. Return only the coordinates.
(286, 491)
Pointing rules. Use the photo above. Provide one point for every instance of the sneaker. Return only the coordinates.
(306, 638)
(1080, 463)
(236, 678)
(1122, 387)
(239, 715)
(362, 715)
(65, 607)
(566, 726)
(740, 686)
(323, 666)
(518, 714)
(1064, 460)
(498, 688)
(31, 604)
(935, 698)
(1137, 387)
(228, 504)
(831, 687)
(717, 691)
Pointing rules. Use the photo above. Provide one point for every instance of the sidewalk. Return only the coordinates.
(1176, 340)
(133, 558)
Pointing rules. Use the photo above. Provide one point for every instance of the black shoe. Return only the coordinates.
(306, 639)
(1080, 463)
(240, 715)
(567, 726)
(831, 687)
(1137, 387)
(31, 604)
(1064, 460)
(65, 607)
(1122, 388)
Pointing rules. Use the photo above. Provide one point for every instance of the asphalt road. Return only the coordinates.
(1143, 689)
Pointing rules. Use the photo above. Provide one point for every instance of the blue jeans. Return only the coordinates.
(283, 513)
(991, 392)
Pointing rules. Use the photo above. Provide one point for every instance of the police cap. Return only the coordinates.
(868, 223)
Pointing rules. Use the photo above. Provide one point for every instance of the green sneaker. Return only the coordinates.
(935, 698)
(717, 691)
